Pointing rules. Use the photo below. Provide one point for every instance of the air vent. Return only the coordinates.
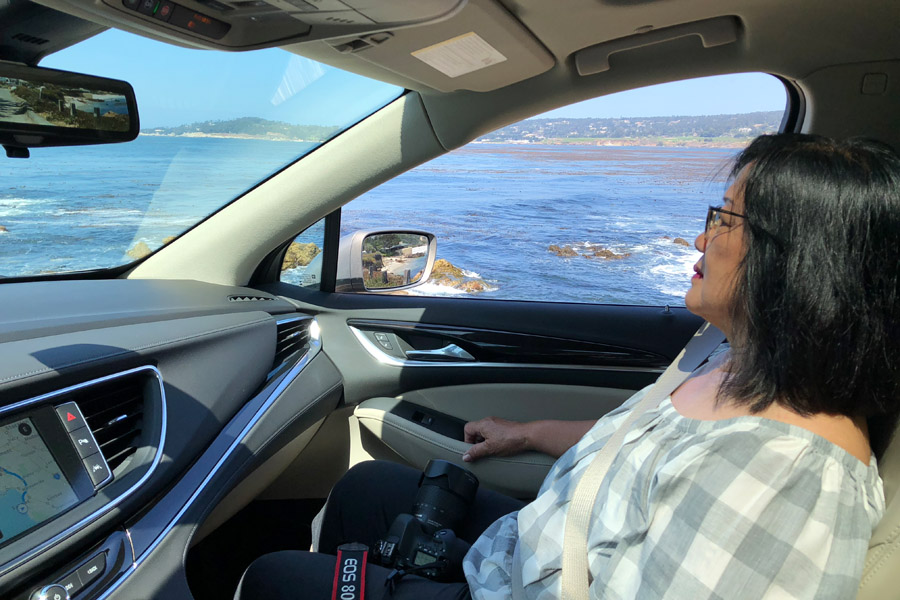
(115, 413)
(293, 336)
(248, 298)
(30, 39)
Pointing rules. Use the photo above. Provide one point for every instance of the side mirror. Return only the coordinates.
(384, 260)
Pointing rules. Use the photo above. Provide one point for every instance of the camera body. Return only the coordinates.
(408, 545)
(426, 537)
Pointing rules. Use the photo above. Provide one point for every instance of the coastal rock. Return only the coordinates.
(446, 274)
(3, 229)
(169, 239)
(564, 252)
(606, 254)
(443, 268)
(139, 251)
(299, 255)
(681, 242)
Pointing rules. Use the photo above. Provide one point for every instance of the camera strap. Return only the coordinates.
(350, 572)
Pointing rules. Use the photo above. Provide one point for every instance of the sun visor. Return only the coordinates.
(482, 48)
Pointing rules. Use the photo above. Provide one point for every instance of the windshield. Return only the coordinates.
(213, 125)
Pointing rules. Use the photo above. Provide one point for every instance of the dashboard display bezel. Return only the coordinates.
(55, 438)
(79, 517)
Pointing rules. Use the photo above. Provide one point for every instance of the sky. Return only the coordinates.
(176, 86)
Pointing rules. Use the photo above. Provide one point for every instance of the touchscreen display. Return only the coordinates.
(32, 486)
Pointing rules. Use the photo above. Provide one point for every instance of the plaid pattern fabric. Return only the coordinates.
(739, 508)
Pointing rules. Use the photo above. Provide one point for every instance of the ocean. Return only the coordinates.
(495, 209)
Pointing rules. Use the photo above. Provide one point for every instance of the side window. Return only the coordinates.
(598, 202)
(302, 263)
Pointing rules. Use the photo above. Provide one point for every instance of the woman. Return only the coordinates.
(756, 477)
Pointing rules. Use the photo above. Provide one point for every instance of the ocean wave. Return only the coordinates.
(436, 289)
(676, 292)
(14, 207)
(98, 211)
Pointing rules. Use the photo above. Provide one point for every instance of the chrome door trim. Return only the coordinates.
(392, 361)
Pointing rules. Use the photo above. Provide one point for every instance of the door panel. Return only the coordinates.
(424, 424)
(517, 360)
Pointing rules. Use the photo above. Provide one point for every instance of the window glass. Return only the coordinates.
(577, 205)
(302, 264)
(213, 125)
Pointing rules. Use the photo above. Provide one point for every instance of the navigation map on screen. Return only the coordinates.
(32, 487)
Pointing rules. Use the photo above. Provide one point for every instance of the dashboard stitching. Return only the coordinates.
(127, 350)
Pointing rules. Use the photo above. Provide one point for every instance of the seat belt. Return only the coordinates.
(575, 569)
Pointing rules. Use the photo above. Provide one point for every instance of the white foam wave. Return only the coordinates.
(471, 274)
(435, 289)
(105, 212)
(678, 293)
(672, 269)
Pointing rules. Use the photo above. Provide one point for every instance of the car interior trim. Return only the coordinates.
(314, 347)
(387, 359)
(23, 558)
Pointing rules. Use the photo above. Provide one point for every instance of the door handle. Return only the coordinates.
(449, 353)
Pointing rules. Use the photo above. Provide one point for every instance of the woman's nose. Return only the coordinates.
(700, 242)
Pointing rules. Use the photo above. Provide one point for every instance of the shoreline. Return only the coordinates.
(581, 142)
(622, 143)
(230, 136)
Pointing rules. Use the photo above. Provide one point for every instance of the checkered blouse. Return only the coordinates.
(739, 508)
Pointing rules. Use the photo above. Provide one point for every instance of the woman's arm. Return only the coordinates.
(498, 437)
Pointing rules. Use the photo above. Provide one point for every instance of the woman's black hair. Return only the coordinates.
(816, 309)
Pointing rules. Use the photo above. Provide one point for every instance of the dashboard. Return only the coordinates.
(128, 409)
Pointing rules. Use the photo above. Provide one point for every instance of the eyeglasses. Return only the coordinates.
(714, 218)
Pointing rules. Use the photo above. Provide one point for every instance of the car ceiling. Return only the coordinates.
(797, 41)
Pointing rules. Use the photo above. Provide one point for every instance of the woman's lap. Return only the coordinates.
(294, 574)
(361, 508)
(364, 503)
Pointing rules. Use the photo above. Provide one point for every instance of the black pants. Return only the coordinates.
(361, 508)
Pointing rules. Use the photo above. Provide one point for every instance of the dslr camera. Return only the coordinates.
(423, 542)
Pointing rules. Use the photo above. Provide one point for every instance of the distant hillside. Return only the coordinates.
(679, 130)
(248, 127)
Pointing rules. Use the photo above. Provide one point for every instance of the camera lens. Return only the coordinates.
(25, 429)
(445, 494)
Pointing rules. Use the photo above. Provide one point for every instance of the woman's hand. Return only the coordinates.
(494, 436)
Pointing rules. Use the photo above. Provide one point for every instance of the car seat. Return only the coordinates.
(879, 580)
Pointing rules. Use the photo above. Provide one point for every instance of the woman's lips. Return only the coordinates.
(698, 274)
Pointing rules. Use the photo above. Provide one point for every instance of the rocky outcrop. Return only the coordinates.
(3, 229)
(169, 239)
(605, 254)
(447, 274)
(299, 255)
(590, 251)
(681, 242)
(139, 251)
(443, 268)
(564, 252)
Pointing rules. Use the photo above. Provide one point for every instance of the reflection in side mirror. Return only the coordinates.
(393, 260)
(384, 261)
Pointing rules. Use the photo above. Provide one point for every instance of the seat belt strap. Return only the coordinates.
(350, 572)
(575, 569)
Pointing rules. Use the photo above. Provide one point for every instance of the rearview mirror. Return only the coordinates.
(384, 261)
(45, 107)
